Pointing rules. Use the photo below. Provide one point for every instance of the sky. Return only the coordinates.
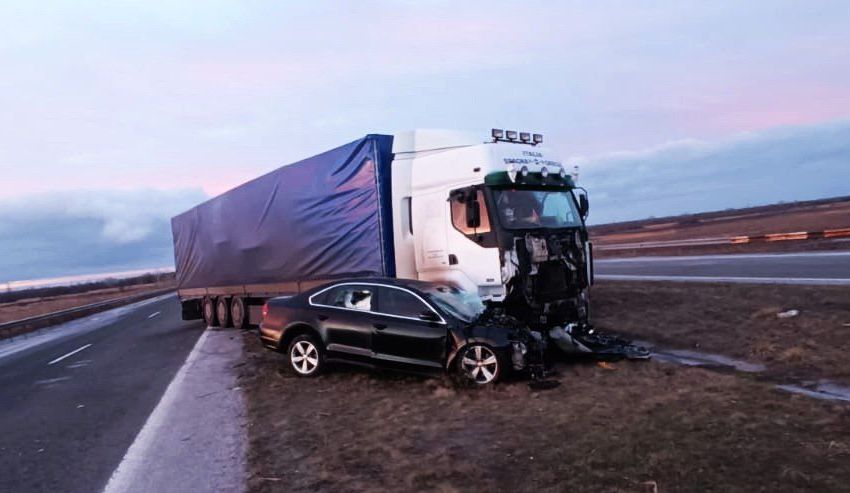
(119, 114)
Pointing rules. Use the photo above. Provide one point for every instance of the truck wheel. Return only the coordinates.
(480, 364)
(222, 309)
(237, 313)
(209, 312)
(306, 356)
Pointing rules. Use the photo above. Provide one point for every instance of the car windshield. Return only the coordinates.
(522, 209)
(458, 303)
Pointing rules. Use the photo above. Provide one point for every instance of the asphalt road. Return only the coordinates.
(790, 268)
(73, 399)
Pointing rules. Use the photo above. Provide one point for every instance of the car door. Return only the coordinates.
(400, 336)
(346, 312)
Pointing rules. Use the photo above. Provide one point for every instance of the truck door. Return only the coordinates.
(429, 233)
(473, 252)
(401, 336)
(346, 312)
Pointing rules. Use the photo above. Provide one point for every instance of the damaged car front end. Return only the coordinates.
(486, 331)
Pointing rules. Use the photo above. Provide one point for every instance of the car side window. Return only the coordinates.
(349, 296)
(401, 303)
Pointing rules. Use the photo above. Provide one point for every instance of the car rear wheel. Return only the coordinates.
(306, 356)
(209, 312)
(480, 364)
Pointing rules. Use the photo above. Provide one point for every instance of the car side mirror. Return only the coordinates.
(473, 214)
(429, 316)
(583, 206)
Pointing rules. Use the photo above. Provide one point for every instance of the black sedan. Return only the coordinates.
(398, 323)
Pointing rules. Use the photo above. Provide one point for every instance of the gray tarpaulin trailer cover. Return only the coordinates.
(325, 217)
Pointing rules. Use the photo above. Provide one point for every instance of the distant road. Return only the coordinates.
(789, 268)
(73, 399)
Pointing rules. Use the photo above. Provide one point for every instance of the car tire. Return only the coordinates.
(222, 309)
(209, 312)
(237, 313)
(306, 356)
(479, 364)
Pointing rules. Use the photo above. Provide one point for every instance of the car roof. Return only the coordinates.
(389, 281)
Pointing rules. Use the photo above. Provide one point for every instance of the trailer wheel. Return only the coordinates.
(209, 312)
(222, 309)
(237, 313)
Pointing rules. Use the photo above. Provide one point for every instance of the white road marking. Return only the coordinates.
(152, 315)
(10, 346)
(50, 381)
(60, 358)
(80, 364)
(753, 280)
(121, 478)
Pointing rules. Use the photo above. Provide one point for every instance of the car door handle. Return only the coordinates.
(322, 317)
(380, 326)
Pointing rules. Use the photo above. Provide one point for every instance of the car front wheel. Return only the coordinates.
(306, 356)
(480, 364)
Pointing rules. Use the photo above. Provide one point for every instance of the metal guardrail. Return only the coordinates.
(15, 328)
(731, 240)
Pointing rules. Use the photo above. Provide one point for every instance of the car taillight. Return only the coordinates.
(265, 310)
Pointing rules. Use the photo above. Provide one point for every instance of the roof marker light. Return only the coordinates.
(524, 136)
(537, 138)
(562, 173)
(510, 134)
(524, 171)
(544, 172)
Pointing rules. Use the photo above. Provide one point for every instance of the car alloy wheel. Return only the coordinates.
(480, 364)
(304, 357)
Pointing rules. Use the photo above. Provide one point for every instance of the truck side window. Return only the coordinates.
(459, 214)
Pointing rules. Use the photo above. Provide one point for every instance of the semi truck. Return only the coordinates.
(494, 213)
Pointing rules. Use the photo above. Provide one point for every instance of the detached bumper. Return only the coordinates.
(528, 353)
(573, 339)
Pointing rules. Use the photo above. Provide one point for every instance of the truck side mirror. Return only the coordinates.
(583, 206)
(473, 213)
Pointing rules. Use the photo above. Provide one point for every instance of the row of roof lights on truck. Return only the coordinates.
(513, 136)
(521, 173)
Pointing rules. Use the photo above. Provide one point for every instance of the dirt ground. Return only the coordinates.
(738, 320)
(620, 427)
(39, 306)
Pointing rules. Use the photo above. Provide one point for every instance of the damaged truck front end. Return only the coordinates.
(537, 222)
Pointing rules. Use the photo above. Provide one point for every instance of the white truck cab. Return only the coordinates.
(494, 214)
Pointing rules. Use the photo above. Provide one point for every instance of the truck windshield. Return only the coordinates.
(458, 303)
(524, 209)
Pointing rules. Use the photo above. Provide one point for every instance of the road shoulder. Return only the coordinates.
(194, 440)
